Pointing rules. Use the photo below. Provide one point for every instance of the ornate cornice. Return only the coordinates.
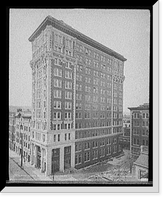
(60, 25)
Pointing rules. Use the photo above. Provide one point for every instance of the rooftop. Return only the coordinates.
(145, 106)
(142, 160)
(60, 25)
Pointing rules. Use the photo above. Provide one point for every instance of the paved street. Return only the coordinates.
(105, 171)
(16, 173)
(27, 173)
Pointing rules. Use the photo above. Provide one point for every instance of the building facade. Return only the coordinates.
(141, 165)
(77, 98)
(139, 129)
(12, 123)
(23, 135)
(125, 138)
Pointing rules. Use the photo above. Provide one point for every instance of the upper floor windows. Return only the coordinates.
(87, 61)
(68, 74)
(69, 43)
(57, 83)
(57, 72)
(68, 85)
(57, 93)
(96, 56)
(57, 116)
(57, 104)
(68, 105)
(87, 79)
(58, 38)
(96, 65)
(87, 71)
(68, 95)
(79, 77)
(145, 115)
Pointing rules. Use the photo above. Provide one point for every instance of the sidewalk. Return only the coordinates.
(30, 170)
(36, 174)
(118, 161)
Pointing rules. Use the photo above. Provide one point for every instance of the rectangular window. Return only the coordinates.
(87, 80)
(54, 138)
(78, 96)
(68, 85)
(57, 72)
(57, 83)
(87, 145)
(78, 106)
(109, 150)
(67, 115)
(78, 147)
(68, 74)
(57, 93)
(87, 156)
(68, 95)
(87, 98)
(78, 159)
(108, 141)
(94, 144)
(57, 104)
(114, 148)
(57, 115)
(95, 99)
(58, 137)
(95, 154)
(87, 71)
(102, 143)
(68, 105)
(102, 152)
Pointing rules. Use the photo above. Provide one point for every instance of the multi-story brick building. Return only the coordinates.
(12, 123)
(139, 129)
(22, 134)
(125, 138)
(77, 98)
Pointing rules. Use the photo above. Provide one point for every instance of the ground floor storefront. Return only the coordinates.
(50, 160)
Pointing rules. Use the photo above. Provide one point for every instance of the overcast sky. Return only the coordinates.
(124, 31)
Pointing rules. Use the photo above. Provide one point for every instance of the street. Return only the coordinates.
(16, 173)
(105, 171)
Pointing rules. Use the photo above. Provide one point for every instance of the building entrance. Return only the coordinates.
(38, 164)
(67, 157)
(55, 160)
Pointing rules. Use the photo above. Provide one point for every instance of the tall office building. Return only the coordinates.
(77, 98)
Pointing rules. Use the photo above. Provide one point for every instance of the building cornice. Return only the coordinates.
(60, 25)
(138, 108)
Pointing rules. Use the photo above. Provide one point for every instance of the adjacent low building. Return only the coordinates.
(125, 138)
(139, 129)
(12, 123)
(141, 165)
(23, 134)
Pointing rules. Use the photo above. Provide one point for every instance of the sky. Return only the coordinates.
(125, 31)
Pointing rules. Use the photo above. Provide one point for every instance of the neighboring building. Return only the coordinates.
(125, 138)
(126, 121)
(22, 134)
(77, 98)
(141, 165)
(12, 123)
(139, 129)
